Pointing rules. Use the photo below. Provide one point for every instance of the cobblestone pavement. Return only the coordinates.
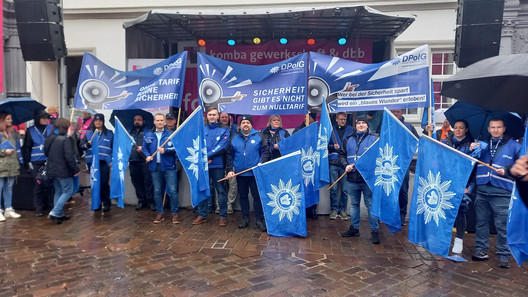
(123, 254)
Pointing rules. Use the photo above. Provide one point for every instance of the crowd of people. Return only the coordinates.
(64, 150)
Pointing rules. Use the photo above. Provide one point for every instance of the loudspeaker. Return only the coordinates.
(40, 30)
(479, 30)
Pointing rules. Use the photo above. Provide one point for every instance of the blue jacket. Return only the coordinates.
(37, 147)
(106, 141)
(507, 152)
(333, 154)
(464, 146)
(246, 151)
(355, 146)
(150, 145)
(217, 139)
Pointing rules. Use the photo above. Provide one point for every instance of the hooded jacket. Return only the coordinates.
(61, 160)
(217, 139)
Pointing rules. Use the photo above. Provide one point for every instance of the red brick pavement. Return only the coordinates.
(123, 254)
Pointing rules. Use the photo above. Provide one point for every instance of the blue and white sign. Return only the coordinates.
(278, 88)
(402, 82)
(103, 87)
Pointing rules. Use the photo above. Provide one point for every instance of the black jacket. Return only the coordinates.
(272, 139)
(138, 135)
(61, 160)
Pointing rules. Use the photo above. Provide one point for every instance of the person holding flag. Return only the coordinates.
(274, 133)
(353, 147)
(338, 200)
(217, 139)
(494, 190)
(246, 150)
(106, 142)
(162, 165)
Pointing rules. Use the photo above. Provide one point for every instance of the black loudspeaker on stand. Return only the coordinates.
(478, 33)
(40, 29)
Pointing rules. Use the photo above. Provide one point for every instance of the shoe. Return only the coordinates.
(351, 232)
(333, 215)
(176, 219)
(480, 256)
(230, 209)
(139, 206)
(159, 218)
(374, 237)
(261, 226)
(64, 218)
(217, 210)
(2, 218)
(55, 219)
(106, 208)
(402, 219)
(223, 222)
(39, 214)
(10, 213)
(199, 220)
(458, 246)
(343, 216)
(97, 209)
(244, 223)
(503, 262)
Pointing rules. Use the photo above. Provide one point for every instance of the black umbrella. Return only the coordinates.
(21, 109)
(126, 117)
(497, 83)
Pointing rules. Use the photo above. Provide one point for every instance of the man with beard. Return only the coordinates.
(139, 170)
(33, 154)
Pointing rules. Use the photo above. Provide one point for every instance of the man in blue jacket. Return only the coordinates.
(338, 199)
(494, 190)
(246, 150)
(162, 167)
(217, 139)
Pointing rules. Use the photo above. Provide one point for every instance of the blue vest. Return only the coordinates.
(37, 150)
(105, 147)
(352, 149)
(332, 152)
(505, 156)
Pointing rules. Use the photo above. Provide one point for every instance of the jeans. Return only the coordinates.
(63, 192)
(6, 190)
(245, 184)
(354, 191)
(214, 175)
(338, 200)
(492, 201)
(142, 181)
(159, 180)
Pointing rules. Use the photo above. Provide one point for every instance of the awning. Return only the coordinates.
(270, 23)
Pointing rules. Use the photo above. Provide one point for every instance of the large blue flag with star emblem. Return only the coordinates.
(281, 195)
(440, 180)
(121, 150)
(517, 237)
(325, 132)
(192, 152)
(95, 174)
(103, 87)
(306, 141)
(383, 168)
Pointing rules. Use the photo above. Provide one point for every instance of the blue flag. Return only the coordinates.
(192, 152)
(393, 153)
(325, 132)
(344, 85)
(120, 153)
(441, 178)
(306, 141)
(95, 174)
(282, 195)
(518, 220)
(103, 87)
(278, 88)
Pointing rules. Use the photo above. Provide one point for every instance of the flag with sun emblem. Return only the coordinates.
(192, 152)
(384, 166)
(325, 132)
(306, 141)
(281, 195)
(517, 224)
(121, 150)
(440, 180)
(95, 174)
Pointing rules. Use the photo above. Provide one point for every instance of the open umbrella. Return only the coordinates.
(21, 109)
(127, 117)
(496, 83)
(478, 119)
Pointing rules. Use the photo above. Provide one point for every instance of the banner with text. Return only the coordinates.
(103, 87)
(278, 88)
(344, 85)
